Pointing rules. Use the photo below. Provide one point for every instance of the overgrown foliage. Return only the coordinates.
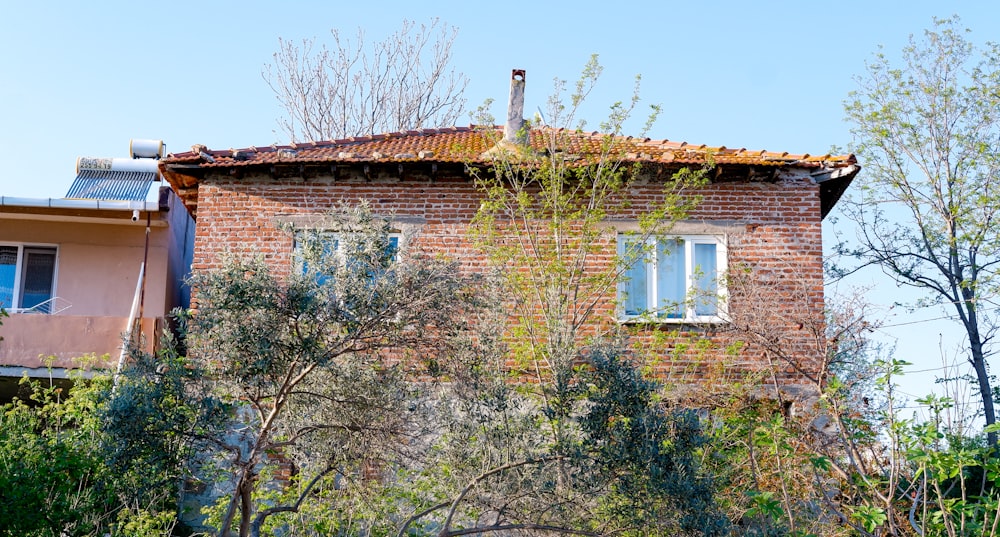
(848, 462)
(615, 460)
(315, 363)
(926, 210)
(322, 363)
(547, 213)
(59, 474)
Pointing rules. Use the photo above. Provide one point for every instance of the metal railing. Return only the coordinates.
(51, 306)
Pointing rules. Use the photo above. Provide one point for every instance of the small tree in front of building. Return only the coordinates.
(611, 455)
(314, 364)
(547, 212)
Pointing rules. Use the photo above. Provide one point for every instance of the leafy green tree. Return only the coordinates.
(56, 474)
(50, 467)
(927, 130)
(583, 445)
(315, 364)
(546, 212)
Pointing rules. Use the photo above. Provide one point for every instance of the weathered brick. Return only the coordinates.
(776, 231)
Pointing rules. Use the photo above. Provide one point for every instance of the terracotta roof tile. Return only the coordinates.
(472, 145)
(469, 145)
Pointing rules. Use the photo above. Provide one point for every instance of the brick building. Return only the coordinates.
(761, 212)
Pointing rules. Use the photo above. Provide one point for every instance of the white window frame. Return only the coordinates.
(16, 299)
(649, 256)
(338, 251)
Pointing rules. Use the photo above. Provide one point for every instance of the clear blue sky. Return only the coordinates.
(82, 78)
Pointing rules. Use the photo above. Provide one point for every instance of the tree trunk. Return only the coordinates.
(971, 321)
(245, 510)
(242, 495)
(255, 528)
(979, 364)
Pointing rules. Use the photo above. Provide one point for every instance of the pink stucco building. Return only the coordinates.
(74, 270)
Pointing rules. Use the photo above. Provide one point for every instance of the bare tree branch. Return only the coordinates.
(356, 87)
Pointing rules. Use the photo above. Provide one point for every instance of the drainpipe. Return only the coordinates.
(127, 338)
(514, 131)
(135, 314)
(145, 259)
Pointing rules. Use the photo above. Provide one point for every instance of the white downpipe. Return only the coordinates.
(127, 340)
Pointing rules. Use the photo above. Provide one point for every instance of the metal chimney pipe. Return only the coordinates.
(513, 130)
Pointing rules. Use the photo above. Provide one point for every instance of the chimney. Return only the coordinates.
(513, 131)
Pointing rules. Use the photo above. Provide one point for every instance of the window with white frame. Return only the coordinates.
(312, 245)
(672, 279)
(27, 275)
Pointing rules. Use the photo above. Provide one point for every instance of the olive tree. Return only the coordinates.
(314, 364)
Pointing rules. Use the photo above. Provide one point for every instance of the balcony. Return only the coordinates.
(36, 340)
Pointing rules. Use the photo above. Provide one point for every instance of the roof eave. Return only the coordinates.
(184, 177)
(833, 182)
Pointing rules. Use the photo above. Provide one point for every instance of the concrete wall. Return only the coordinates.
(98, 263)
(66, 341)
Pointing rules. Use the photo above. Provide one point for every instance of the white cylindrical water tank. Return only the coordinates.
(116, 164)
(140, 148)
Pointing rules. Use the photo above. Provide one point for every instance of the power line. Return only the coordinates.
(912, 322)
(929, 369)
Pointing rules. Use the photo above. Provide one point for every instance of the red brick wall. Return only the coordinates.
(776, 233)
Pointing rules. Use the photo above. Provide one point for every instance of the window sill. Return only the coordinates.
(640, 320)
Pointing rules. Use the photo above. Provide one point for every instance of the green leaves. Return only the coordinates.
(764, 504)
(926, 132)
(55, 474)
(647, 453)
(869, 517)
